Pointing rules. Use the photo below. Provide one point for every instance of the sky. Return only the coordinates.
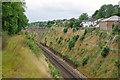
(44, 10)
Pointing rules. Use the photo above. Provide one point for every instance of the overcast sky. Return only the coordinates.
(43, 10)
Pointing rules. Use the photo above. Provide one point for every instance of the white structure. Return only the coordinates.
(96, 23)
(87, 23)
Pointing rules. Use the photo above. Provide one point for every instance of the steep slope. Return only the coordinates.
(19, 61)
(86, 50)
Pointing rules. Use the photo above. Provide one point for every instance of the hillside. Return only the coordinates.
(21, 61)
(87, 49)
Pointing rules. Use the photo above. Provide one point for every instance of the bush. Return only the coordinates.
(75, 38)
(45, 41)
(32, 44)
(117, 63)
(59, 41)
(50, 43)
(56, 39)
(105, 51)
(61, 38)
(71, 45)
(77, 28)
(74, 30)
(72, 42)
(65, 30)
(82, 37)
(68, 40)
(85, 59)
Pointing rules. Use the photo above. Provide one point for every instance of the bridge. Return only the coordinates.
(39, 31)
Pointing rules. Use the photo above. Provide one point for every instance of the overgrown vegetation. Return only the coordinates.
(55, 73)
(13, 17)
(30, 41)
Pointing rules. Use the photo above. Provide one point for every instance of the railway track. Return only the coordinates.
(68, 72)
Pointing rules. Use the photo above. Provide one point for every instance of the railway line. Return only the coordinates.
(67, 71)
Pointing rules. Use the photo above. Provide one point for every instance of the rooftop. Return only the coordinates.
(113, 18)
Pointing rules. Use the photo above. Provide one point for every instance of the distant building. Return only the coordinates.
(96, 22)
(106, 24)
(88, 23)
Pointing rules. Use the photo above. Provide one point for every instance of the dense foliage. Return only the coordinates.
(83, 16)
(72, 41)
(13, 17)
(106, 11)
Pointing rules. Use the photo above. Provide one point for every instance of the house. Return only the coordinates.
(106, 24)
(96, 22)
(88, 23)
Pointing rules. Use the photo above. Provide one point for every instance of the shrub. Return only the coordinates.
(117, 63)
(68, 40)
(74, 30)
(72, 42)
(61, 38)
(45, 41)
(85, 59)
(77, 28)
(65, 30)
(82, 37)
(56, 39)
(71, 45)
(50, 43)
(32, 45)
(105, 51)
(59, 41)
(105, 70)
(75, 38)
(76, 62)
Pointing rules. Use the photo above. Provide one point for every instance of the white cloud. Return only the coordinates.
(38, 10)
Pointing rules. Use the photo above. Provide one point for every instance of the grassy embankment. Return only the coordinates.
(19, 58)
(88, 57)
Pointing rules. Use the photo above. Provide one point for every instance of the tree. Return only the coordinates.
(72, 21)
(13, 17)
(77, 23)
(83, 16)
(106, 11)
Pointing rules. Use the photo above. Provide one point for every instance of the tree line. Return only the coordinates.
(106, 11)
(13, 17)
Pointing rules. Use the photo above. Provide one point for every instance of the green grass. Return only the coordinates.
(19, 61)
